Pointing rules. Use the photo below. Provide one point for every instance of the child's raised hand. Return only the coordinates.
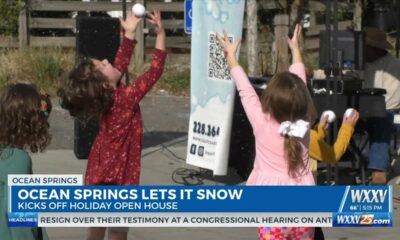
(323, 121)
(294, 45)
(294, 41)
(229, 47)
(130, 23)
(155, 19)
(352, 118)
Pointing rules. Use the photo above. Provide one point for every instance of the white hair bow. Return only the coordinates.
(296, 129)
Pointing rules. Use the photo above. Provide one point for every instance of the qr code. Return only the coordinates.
(218, 68)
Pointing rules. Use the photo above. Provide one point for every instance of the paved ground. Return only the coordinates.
(166, 120)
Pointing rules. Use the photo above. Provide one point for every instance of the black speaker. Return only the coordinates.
(96, 37)
(242, 147)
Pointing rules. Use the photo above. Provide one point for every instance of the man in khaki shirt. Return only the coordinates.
(382, 71)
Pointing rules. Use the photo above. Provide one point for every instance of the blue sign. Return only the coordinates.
(211, 87)
(188, 16)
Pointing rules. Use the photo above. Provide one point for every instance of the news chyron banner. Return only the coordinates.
(61, 201)
(212, 89)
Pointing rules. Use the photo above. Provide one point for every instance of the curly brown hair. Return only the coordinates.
(23, 124)
(287, 99)
(86, 94)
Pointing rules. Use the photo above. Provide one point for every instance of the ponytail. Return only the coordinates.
(293, 154)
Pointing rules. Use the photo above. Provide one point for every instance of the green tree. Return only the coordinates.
(9, 11)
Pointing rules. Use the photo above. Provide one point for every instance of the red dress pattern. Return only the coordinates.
(115, 155)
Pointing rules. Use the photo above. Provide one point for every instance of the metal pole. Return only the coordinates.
(328, 73)
(397, 28)
(124, 9)
(337, 74)
(124, 17)
(328, 35)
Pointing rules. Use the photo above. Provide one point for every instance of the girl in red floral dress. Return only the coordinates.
(94, 91)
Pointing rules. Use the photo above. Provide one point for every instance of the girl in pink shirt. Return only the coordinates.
(280, 121)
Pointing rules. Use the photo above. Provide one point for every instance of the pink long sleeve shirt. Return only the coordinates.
(270, 165)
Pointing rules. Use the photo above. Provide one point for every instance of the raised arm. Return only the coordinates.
(155, 19)
(322, 151)
(248, 96)
(294, 45)
(123, 57)
(297, 66)
(143, 84)
(322, 126)
(125, 50)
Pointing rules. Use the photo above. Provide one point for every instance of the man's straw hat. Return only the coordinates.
(375, 37)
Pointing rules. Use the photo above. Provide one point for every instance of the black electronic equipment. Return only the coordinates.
(350, 50)
(97, 37)
(345, 85)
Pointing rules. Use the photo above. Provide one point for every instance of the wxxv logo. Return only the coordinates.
(365, 219)
(355, 219)
(368, 196)
(365, 207)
